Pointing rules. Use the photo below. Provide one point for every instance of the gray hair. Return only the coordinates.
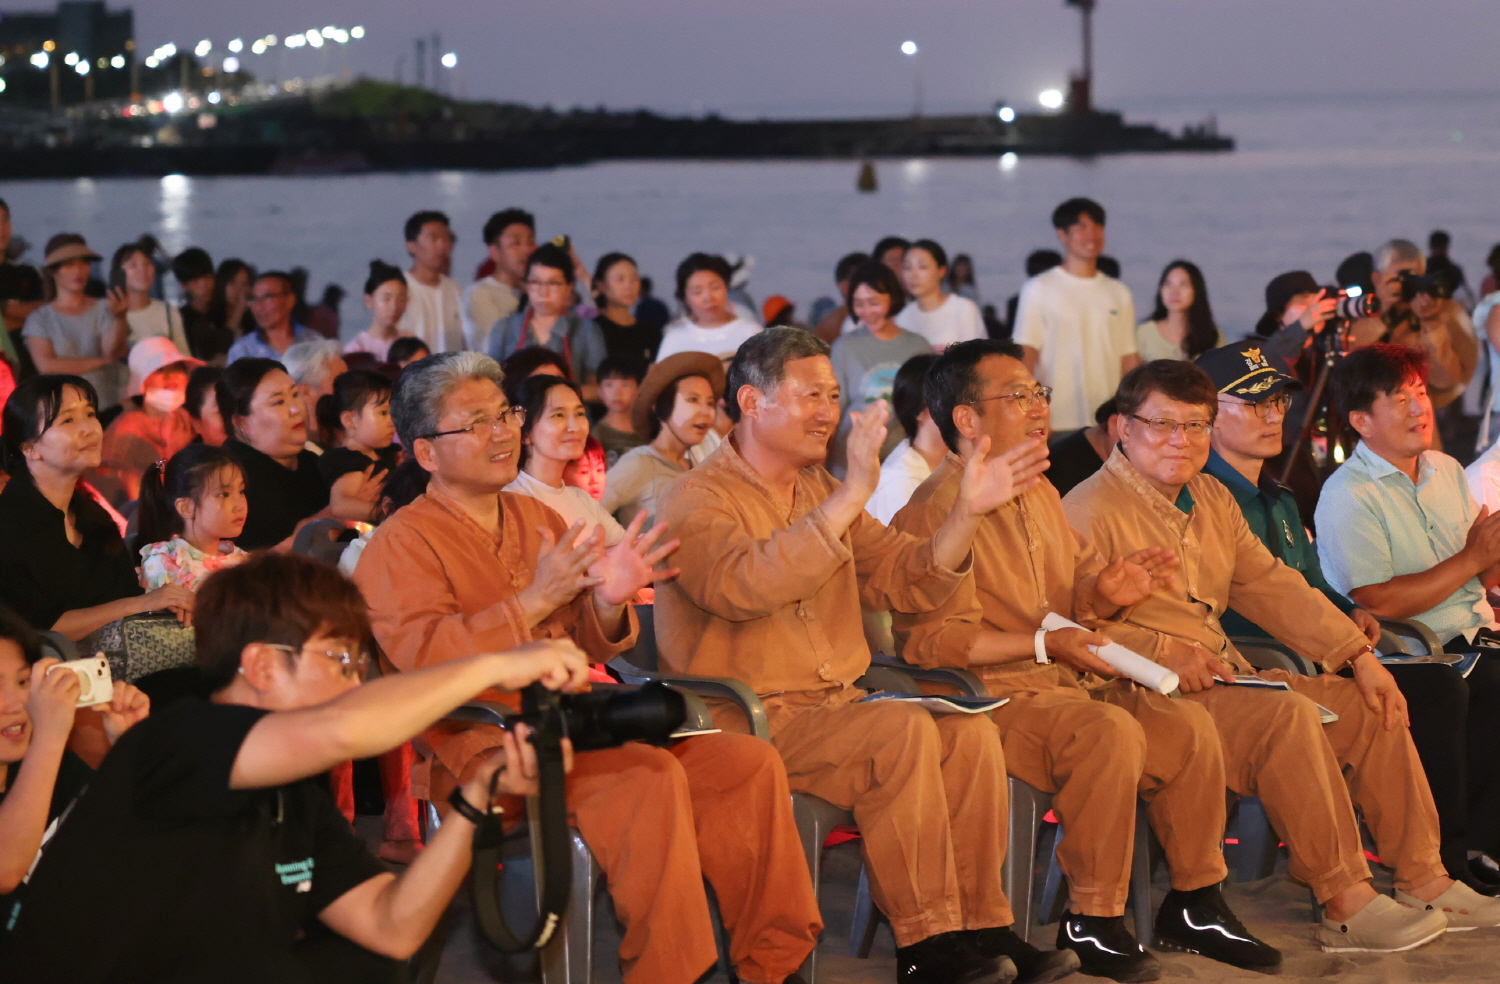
(1399, 251)
(308, 361)
(417, 403)
(761, 361)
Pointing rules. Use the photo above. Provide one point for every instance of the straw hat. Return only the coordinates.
(664, 374)
(69, 247)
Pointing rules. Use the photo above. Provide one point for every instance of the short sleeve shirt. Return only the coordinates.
(1082, 327)
(81, 336)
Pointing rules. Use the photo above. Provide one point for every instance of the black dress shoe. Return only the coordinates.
(1200, 922)
(947, 958)
(1483, 875)
(1033, 966)
(1105, 948)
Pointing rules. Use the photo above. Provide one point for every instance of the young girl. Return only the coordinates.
(359, 412)
(192, 508)
(386, 297)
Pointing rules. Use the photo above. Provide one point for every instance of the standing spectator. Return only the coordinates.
(554, 430)
(912, 461)
(229, 309)
(272, 299)
(207, 340)
(154, 425)
(1037, 261)
(202, 405)
(619, 382)
(192, 507)
(891, 251)
(938, 316)
(839, 320)
(406, 350)
(313, 365)
(386, 296)
(133, 270)
(75, 333)
(509, 239)
(617, 292)
(1182, 325)
(1439, 264)
(961, 277)
(711, 324)
(650, 311)
(434, 312)
(865, 361)
(21, 293)
(1075, 324)
(547, 322)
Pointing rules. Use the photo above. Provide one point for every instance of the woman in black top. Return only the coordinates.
(267, 426)
(617, 290)
(63, 562)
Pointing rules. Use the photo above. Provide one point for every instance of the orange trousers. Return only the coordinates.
(659, 821)
(1096, 758)
(395, 783)
(1276, 748)
(928, 793)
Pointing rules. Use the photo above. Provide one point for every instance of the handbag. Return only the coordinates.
(139, 645)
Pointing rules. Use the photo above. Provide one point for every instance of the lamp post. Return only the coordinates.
(910, 50)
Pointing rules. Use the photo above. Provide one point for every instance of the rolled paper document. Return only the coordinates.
(1129, 664)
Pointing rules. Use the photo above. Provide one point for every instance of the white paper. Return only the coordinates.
(1129, 664)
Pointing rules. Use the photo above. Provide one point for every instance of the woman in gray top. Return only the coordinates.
(76, 334)
(548, 321)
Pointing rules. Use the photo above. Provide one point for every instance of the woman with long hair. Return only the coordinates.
(1181, 325)
(229, 308)
(938, 316)
(617, 290)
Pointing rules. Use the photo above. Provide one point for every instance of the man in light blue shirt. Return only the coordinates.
(1397, 530)
(272, 300)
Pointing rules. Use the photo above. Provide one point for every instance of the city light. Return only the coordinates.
(270, 40)
(1008, 161)
(450, 60)
(315, 39)
(40, 60)
(81, 67)
(118, 61)
(172, 102)
(2, 85)
(357, 33)
(329, 32)
(213, 98)
(71, 58)
(1006, 114)
(151, 61)
(908, 47)
(237, 46)
(1050, 98)
(231, 64)
(204, 47)
(296, 41)
(259, 47)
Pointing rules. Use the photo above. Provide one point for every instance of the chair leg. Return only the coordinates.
(1140, 878)
(568, 958)
(866, 921)
(1027, 807)
(1054, 887)
(810, 829)
(1258, 841)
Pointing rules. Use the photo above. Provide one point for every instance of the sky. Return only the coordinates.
(746, 58)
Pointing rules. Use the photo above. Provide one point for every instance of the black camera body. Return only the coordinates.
(605, 718)
(1439, 285)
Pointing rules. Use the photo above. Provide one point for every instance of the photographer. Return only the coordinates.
(225, 857)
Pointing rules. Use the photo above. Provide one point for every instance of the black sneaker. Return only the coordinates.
(947, 958)
(1033, 966)
(1105, 948)
(1483, 876)
(1200, 922)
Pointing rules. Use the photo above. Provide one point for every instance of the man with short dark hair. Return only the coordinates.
(1151, 491)
(777, 558)
(194, 270)
(434, 308)
(509, 238)
(1095, 756)
(230, 861)
(272, 298)
(1076, 325)
(838, 320)
(891, 250)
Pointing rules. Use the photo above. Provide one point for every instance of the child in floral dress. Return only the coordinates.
(191, 508)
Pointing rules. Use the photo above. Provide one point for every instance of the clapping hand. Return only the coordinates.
(562, 570)
(867, 433)
(630, 565)
(1130, 580)
(990, 482)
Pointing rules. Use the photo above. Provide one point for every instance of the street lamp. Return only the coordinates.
(1051, 98)
(40, 60)
(450, 60)
(236, 46)
(909, 49)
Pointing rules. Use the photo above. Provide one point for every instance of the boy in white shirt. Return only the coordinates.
(434, 306)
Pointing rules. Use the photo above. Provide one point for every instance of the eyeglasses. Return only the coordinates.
(490, 424)
(548, 284)
(1281, 403)
(1024, 400)
(261, 299)
(1162, 427)
(351, 665)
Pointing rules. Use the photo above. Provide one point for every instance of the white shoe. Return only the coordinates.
(1465, 908)
(1382, 926)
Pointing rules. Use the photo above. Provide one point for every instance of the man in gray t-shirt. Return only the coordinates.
(865, 367)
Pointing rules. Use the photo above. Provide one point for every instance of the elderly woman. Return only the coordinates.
(674, 410)
(547, 322)
(711, 324)
(314, 363)
(76, 333)
(63, 562)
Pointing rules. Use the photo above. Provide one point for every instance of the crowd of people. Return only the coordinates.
(514, 474)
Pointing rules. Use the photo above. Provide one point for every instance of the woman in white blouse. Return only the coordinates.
(938, 316)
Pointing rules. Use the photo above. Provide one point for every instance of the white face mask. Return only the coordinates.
(164, 400)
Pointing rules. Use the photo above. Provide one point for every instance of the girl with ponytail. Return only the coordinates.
(191, 509)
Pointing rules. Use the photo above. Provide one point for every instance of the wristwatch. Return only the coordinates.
(1040, 645)
(468, 810)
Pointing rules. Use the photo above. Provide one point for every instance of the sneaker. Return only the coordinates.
(1482, 874)
(1382, 926)
(1033, 966)
(947, 959)
(1200, 922)
(1105, 948)
(1463, 907)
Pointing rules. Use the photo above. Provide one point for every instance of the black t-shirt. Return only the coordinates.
(638, 341)
(335, 463)
(206, 338)
(164, 874)
(279, 497)
(1073, 460)
(42, 575)
(73, 775)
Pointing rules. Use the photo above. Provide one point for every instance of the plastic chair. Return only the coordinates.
(321, 540)
(1407, 635)
(1267, 654)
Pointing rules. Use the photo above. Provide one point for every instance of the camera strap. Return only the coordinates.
(550, 831)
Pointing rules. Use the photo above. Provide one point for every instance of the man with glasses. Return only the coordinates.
(549, 321)
(468, 567)
(434, 309)
(1095, 756)
(1152, 491)
(272, 299)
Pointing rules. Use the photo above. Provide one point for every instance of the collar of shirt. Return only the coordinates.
(1173, 513)
(460, 515)
(736, 463)
(1367, 461)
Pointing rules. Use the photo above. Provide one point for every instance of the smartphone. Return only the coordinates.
(94, 683)
(117, 279)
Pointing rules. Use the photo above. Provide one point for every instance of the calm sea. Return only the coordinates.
(1314, 180)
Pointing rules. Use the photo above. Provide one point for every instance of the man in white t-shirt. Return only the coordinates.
(435, 304)
(510, 237)
(1075, 325)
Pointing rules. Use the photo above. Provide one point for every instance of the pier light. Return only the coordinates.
(270, 40)
(296, 41)
(315, 39)
(1050, 98)
(203, 48)
(118, 61)
(151, 61)
(450, 60)
(356, 32)
(172, 102)
(237, 45)
(1006, 114)
(40, 60)
(2, 85)
(71, 58)
(259, 47)
(908, 47)
(231, 64)
(1008, 161)
(81, 67)
(341, 36)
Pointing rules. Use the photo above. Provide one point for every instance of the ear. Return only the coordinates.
(966, 419)
(421, 449)
(261, 666)
(185, 507)
(1360, 421)
(751, 401)
(346, 420)
(1062, 236)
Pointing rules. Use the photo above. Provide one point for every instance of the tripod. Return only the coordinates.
(1329, 345)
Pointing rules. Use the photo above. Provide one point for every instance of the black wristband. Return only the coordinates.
(465, 809)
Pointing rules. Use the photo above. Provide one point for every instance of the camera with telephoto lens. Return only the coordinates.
(607, 718)
(1353, 303)
(1439, 285)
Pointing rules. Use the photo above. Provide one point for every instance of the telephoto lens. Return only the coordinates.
(610, 718)
(1352, 307)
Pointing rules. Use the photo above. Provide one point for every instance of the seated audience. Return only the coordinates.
(313, 365)
(385, 296)
(711, 323)
(911, 461)
(406, 350)
(674, 409)
(839, 318)
(1082, 453)
(865, 360)
(234, 864)
(554, 431)
(358, 411)
(434, 309)
(619, 382)
(1182, 324)
(133, 270)
(942, 318)
(509, 239)
(548, 322)
(202, 405)
(191, 511)
(588, 472)
(207, 340)
(75, 334)
(776, 560)
(63, 562)
(153, 427)
(229, 308)
(273, 297)
(617, 292)
(1095, 756)
(1150, 492)
(467, 567)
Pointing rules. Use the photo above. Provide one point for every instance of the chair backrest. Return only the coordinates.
(644, 655)
(321, 540)
(1407, 635)
(58, 646)
(1268, 655)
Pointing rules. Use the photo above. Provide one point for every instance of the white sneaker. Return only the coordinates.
(1464, 907)
(1382, 926)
